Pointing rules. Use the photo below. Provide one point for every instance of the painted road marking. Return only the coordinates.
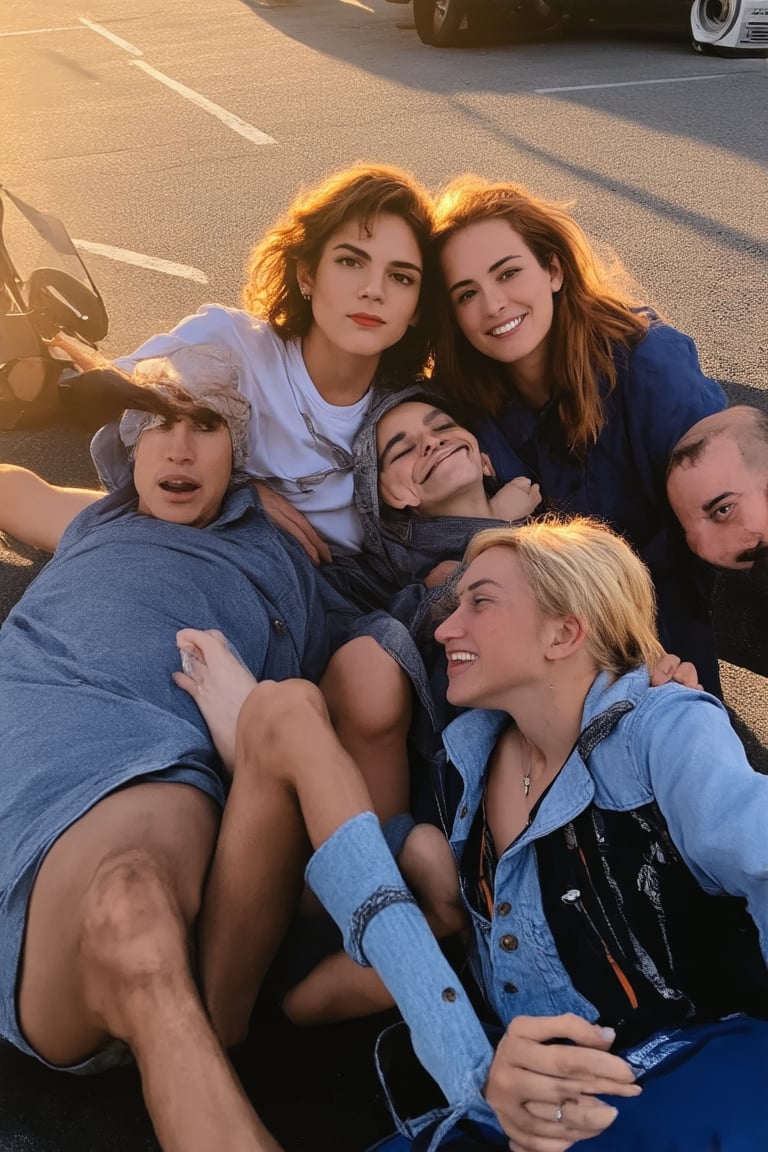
(125, 256)
(634, 83)
(228, 118)
(105, 32)
(41, 31)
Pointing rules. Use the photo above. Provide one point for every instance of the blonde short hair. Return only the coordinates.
(581, 568)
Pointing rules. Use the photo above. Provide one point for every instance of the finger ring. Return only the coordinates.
(558, 1114)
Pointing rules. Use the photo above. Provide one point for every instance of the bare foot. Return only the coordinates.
(217, 681)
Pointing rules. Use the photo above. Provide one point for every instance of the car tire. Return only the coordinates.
(711, 21)
(438, 21)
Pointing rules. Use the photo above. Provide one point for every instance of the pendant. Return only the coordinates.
(526, 784)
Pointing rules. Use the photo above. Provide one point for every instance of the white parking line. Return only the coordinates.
(40, 31)
(105, 32)
(228, 118)
(125, 256)
(634, 83)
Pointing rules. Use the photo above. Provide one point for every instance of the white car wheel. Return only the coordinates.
(713, 20)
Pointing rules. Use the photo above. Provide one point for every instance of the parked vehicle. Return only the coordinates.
(46, 293)
(732, 27)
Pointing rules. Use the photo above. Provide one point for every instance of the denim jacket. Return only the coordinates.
(670, 745)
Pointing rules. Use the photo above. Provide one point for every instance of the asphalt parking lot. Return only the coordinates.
(663, 154)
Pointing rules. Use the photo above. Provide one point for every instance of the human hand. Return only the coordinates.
(83, 356)
(671, 667)
(545, 1079)
(284, 516)
(440, 574)
(516, 500)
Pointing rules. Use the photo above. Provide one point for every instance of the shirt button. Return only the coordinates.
(503, 909)
(463, 812)
(508, 943)
(509, 987)
(449, 994)
(280, 627)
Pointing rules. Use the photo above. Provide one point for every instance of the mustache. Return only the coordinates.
(759, 572)
(759, 552)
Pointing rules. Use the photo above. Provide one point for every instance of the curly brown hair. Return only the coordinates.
(361, 192)
(594, 312)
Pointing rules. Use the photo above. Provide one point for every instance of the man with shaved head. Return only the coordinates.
(717, 484)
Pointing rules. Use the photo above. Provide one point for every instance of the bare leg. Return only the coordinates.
(106, 953)
(248, 905)
(286, 744)
(256, 876)
(369, 700)
(292, 714)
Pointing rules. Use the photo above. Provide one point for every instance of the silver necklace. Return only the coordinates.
(527, 771)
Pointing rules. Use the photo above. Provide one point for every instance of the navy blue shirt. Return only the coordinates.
(660, 393)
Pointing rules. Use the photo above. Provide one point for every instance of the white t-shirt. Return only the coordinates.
(299, 444)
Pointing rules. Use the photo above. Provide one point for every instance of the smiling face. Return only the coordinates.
(183, 469)
(497, 639)
(365, 289)
(722, 505)
(426, 460)
(501, 296)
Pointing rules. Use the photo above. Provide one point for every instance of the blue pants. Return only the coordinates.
(710, 1097)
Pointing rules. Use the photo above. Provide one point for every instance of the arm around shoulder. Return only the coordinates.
(36, 512)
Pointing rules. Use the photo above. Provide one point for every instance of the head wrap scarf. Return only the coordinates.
(195, 377)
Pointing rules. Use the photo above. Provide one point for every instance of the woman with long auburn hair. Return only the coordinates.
(561, 371)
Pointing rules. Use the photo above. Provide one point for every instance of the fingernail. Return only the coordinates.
(608, 1033)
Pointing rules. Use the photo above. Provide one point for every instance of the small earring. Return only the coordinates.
(307, 296)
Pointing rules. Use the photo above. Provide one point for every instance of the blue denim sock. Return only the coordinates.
(354, 875)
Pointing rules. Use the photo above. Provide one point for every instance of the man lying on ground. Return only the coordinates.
(113, 851)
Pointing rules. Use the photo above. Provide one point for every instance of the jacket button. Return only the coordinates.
(449, 994)
(503, 909)
(463, 812)
(280, 627)
(508, 943)
(510, 988)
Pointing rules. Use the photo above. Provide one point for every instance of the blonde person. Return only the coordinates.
(608, 837)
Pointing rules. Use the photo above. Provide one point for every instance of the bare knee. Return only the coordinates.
(274, 713)
(366, 689)
(133, 929)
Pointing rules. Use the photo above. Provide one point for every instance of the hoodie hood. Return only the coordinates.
(409, 546)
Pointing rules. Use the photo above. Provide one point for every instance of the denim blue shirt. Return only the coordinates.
(675, 746)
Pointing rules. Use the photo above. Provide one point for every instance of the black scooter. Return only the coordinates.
(51, 312)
